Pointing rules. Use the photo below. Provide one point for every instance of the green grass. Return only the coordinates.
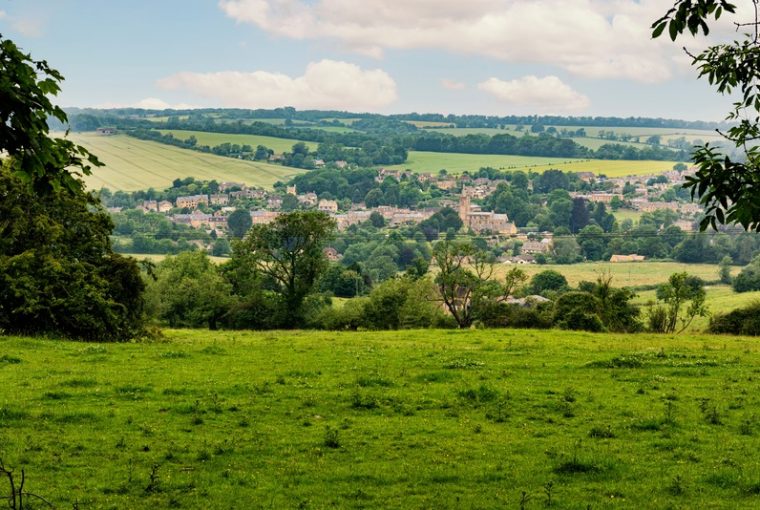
(624, 274)
(278, 145)
(133, 164)
(432, 162)
(627, 214)
(720, 299)
(397, 420)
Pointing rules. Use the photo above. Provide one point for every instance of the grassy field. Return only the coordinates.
(627, 214)
(397, 420)
(624, 274)
(133, 164)
(278, 145)
(420, 161)
(720, 299)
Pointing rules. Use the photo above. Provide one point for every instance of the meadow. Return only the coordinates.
(133, 164)
(392, 420)
(719, 299)
(432, 162)
(278, 145)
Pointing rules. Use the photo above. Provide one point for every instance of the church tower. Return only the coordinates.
(464, 208)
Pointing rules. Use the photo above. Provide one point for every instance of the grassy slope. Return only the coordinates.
(279, 145)
(720, 299)
(419, 161)
(133, 164)
(443, 419)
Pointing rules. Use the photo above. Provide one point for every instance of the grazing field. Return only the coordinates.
(133, 164)
(396, 420)
(624, 274)
(420, 161)
(278, 145)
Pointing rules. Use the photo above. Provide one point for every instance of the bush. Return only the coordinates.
(748, 279)
(743, 321)
(547, 281)
(578, 310)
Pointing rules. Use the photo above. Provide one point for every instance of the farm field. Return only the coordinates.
(624, 274)
(432, 162)
(133, 164)
(591, 143)
(392, 420)
(278, 145)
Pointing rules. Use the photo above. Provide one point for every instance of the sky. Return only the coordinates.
(495, 57)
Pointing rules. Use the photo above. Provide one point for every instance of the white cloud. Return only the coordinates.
(590, 38)
(326, 84)
(3, 14)
(452, 84)
(548, 94)
(149, 103)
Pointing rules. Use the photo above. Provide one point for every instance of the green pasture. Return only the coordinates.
(133, 164)
(432, 162)
(386, 420)
(278, 145)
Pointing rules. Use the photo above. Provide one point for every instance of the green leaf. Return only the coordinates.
(658, 30)
(673, 30)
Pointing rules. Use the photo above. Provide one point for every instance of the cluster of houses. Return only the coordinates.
(472, 216)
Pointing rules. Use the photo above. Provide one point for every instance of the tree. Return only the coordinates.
(49, 164)
(725, 186)
(239, 222)
(548, 281)
(681, 288)
(58, 272)
(465, 282)
(288, 254)
(188, 292)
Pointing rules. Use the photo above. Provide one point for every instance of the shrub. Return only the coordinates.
(578, 310)
(743, 321)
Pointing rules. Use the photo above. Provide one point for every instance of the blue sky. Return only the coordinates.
(575, 57)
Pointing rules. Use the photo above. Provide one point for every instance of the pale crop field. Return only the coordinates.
(454, 163)
(278, 145)
(132, 164)
(624, 274)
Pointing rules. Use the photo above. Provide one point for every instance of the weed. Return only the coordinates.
(331, 438)
(463, 363)
(676, 487)
(154, 482)
(601, 432)
(480, 395)
(548, 492)
(173, 355)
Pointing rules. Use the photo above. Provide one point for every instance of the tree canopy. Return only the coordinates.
(727, 187)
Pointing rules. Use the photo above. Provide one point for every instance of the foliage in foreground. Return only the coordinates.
(413, 419)
(58, 273)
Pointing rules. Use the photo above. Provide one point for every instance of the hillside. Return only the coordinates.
(133, 164)
(279, 145)
(394, 420)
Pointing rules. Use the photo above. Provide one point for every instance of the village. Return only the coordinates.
(461, 193)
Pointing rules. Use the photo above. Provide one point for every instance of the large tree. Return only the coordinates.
(58, 273)
(727, 187)
(287, 254)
